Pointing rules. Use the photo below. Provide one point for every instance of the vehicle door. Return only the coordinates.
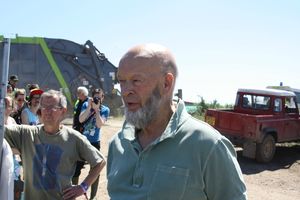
(292, 123)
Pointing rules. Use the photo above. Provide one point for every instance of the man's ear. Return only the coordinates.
(169, 82)
(64, 110)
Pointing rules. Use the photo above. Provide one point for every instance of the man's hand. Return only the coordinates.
(73, 192)
(96, 106)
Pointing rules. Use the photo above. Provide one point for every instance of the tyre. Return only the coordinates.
(265, 151)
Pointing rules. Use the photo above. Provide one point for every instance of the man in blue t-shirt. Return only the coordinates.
(93, 115)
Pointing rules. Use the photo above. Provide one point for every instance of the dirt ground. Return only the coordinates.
(278, 180)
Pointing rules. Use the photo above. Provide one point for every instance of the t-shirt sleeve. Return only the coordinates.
(84, 106)
(222, 175)
(89, 153)
(13, 136)
(105, 111)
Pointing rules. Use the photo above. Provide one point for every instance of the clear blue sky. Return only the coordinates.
(219, 46)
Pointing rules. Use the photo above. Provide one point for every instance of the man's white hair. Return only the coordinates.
(83, 90)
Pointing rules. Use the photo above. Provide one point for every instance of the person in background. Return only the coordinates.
(82, 97)
(21, 104)
(8, 120)
(30, 87)
(93, 116)
(9, 90)
(9, 107)
(29, 115)
(50, 151)
(13, 80)
(162, 152)
(6, 172)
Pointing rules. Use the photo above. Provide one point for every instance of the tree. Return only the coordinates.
(202, 106)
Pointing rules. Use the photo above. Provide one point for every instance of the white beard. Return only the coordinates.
(143, 116)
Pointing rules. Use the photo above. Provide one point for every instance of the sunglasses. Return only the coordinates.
(36, 97)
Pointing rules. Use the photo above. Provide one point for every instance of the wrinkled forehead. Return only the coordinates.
(138, 65)
(50, 100)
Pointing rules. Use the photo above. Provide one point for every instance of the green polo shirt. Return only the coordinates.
(189, 161)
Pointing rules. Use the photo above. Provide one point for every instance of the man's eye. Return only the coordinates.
(137, 81)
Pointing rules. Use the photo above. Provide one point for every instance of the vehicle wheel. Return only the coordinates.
(265, 151)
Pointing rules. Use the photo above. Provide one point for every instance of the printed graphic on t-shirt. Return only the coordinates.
(90, 127)
(45, 164)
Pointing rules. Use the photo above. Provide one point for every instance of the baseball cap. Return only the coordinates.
(36, 92)
(13, 78)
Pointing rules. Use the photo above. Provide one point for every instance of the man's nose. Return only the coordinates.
(126, 89)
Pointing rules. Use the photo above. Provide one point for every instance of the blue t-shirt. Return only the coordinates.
(90, 130)
(33, 119)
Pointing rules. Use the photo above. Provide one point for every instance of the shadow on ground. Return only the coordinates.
(285, 157)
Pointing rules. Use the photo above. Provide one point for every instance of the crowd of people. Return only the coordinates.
(50, 153)
(161, 152)
(20, 109)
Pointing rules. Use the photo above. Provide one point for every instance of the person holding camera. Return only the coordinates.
(93, 115)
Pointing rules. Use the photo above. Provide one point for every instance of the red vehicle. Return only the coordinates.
(259, 120)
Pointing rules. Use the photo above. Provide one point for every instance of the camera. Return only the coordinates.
(96, 100)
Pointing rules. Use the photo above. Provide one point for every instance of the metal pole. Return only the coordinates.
(3, 86)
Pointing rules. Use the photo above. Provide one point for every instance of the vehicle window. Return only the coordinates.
(298, 96)
(247, 101)
(298, 99)
(256, 102)
(290, 104)
(261, 102)
(277, 105)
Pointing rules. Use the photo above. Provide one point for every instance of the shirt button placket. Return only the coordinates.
(138, 175)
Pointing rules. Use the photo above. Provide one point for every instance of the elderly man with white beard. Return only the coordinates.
(161, 151)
